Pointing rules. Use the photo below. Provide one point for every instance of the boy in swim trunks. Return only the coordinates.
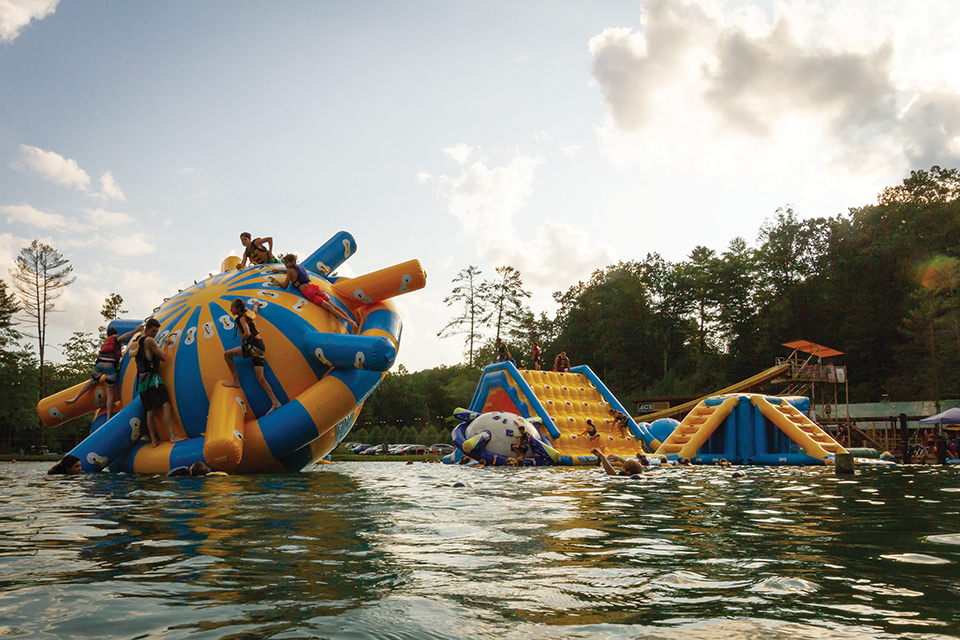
(251, 346)
(622, 421)
(301, 280)
(107, 367)
(153, 394)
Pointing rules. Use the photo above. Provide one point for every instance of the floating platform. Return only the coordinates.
(739, 428)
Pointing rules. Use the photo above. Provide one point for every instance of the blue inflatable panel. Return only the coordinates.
(331, 254)
(371, 353)
(113, 439)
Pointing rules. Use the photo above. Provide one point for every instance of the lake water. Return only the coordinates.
(389, 550)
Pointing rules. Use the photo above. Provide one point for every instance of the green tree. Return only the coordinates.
(17, 375)
(467, 293)
(111, 310)
(81, 352)
(40, 276)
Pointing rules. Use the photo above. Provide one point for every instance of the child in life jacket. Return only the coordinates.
(256, 250)
(300, 279)
(251, 346)
(107, 367)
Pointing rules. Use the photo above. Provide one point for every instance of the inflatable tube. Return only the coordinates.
(223, 440)
(233, 428)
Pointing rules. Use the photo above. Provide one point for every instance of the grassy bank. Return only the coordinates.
(349, 457)
(15, 457)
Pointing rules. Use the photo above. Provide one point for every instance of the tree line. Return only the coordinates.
(879, 283)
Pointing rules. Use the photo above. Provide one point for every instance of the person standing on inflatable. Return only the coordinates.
(561, 363)
(256, 250)
(153, 393)
(301, 280)
(251, 346)
(535, 356)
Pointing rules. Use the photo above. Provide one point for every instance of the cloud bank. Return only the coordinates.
(16, 14)
(694, 74)
(485, 199)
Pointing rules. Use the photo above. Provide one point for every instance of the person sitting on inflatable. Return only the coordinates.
(106, 367)
(255, 251)
(301, 280)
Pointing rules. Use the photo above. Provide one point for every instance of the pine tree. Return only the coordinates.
(40, 277)
(469, 293)
(504, 299)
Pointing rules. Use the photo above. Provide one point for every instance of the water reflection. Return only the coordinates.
(388, 550)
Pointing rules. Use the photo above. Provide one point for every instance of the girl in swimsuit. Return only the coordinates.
(301, 280)
(251, 347)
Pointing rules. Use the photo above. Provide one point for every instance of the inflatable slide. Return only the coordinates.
(752, 429)
(559, 405)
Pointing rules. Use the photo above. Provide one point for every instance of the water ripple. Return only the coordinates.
(381, 550)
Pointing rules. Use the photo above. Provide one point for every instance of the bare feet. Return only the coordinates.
(70, 401)
(273, 408)
(235, 383)
(154, 443)
(176, 438)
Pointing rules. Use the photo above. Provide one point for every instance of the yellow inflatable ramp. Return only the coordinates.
(816, 442)
(570, 400)
(696, 427)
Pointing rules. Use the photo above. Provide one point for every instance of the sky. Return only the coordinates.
(139, 139)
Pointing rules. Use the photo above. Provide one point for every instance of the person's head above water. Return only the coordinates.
(631, 467)
(70, 466)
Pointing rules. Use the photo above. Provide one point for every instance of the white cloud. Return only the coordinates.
(16, 14)
(25, 214)
(134, 244)
(109, 189)
(104, 218)
(694, 84)
(485, 199)
(51, 166)
(558, 255)
(10, 246)
(460, 153)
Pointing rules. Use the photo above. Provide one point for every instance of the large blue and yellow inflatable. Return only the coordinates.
(320, 372)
